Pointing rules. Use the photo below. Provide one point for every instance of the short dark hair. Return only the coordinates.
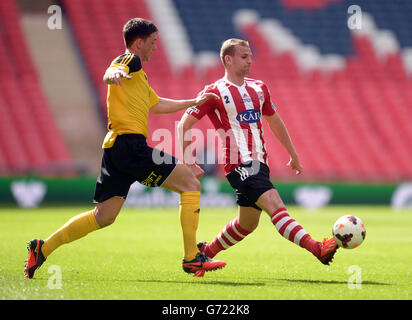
(137, 28)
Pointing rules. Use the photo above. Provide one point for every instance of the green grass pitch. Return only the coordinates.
(139, 257)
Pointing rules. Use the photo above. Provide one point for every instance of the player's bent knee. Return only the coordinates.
(270, 201)
(103, 217)
(192, 184)
(182, 180)
(107, 211)
(250, 227)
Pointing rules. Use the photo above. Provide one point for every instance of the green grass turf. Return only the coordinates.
(139, 257)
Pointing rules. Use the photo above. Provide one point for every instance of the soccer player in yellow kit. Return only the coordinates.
(127, 158)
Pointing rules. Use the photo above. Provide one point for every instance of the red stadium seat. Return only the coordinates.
(351, 124)
(30, 139)
(352, 118)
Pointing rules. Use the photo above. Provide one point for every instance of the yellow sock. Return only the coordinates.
(76, 228)
(189, 219)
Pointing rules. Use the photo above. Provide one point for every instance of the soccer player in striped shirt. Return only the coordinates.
(127, 157)
(237, 117)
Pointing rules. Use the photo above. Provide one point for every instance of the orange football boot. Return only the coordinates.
(200, 264)
(327, 250)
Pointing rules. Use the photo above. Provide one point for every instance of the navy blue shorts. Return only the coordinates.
(250, 180)
(130, 159)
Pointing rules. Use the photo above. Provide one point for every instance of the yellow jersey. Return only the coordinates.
(128, 105)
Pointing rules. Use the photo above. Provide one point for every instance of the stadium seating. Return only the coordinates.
(344, 97)
(99, 48)
(30, 140)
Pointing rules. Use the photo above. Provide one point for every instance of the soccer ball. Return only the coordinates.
(349, 232)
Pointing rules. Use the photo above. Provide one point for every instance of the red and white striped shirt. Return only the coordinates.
(237, 117)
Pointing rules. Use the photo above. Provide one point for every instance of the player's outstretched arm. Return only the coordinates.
(185, 140)
(170, 105)
(277, 126)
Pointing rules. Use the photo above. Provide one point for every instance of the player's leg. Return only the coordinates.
(249, 218)
(183, 181)
(77, 227)
(155, 168)
(107, 211)
(111, 189)
(289, 228)
(249, 214)
(234, 232)
(271, 202)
